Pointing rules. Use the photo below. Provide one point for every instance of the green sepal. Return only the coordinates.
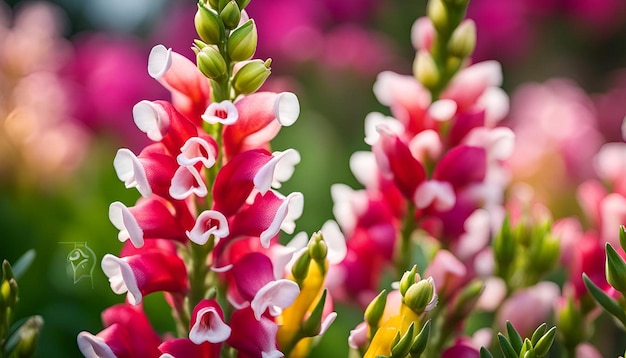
(622, 237)
(313, 324)
(401, 348)
(506, 347)
(421, 340)
(375, 310)
(542, 347)
(484, 353)
(538, 333)
(607, 303)
(615, 269)
(514, 337)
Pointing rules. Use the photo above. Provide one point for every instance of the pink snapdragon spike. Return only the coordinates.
(128, 333)
(145, 273)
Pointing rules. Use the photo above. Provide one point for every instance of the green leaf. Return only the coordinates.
(23, 263)
(514, 337)
(622, 237)
(506, 347)
(605, 300)
(420, 341)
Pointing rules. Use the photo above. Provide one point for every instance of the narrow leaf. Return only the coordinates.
(604, 300)
(514, 337)
(506, 347)
(23, 263)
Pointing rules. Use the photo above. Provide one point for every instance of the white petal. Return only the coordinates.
(129, 170)
(437, 193)
(287, 108)
(287, 213)
(200, 232)
(187, 181)
(216, 332)
(93, 346)
(278, 169)
(215, 113)
(335, 242)
(442, 110)
(159, 61)
(151, 119)
(426, 145)
(121, 278)
(278, 294)
(121, 217)
(196, 150)
(373, 119)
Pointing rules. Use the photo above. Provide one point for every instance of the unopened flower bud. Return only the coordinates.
(251, 76)
(615, 269)
(504, 247)
(210, 62)
(231, 15)
(408, 279)
(28, 334)
(463, 40)
(375, 310)
(425, 70)
(421, 296)
(622, 233)
(8, 293)
(317, 247)
(545, 253)
(209, 26)
(300, 268)
(403, 345)
(313, 324)
(438, 14)
(570, 322)
(242, 42)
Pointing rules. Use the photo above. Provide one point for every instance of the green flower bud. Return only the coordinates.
(28, 335)
(622, 237)
(463, 39)
(438, 14)
(420, 341)
(209, 26)
(403, 345)
(425, 70)
(545, 342)
(7, 271)
(300, 268)
(242, 42)
(408, 279)
(313, 325)
(504, 248)
(544, 253)
(375, 310)
(421, 296)
(231, 15)
(210, 62)
(317, 247)
(615, 269)
(251, 76)
(538, 333)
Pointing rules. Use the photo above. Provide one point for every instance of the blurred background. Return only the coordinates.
(71, 70)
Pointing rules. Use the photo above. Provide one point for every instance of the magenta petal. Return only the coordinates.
(460, 351)
(395, 156)
(207, 323)
(251, 273)
(113, 341)
(235, 181)
(142, 336)
(251, 337)
(462, 165)
(183, 347)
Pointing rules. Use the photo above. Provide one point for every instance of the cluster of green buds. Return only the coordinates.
(16, 339)
(524, 253)
(515, 347)
(228, 40)
(304, 319)
(615, 270)
(393, 331)
(454, 40)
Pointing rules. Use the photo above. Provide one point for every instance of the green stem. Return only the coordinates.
(404, 252)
